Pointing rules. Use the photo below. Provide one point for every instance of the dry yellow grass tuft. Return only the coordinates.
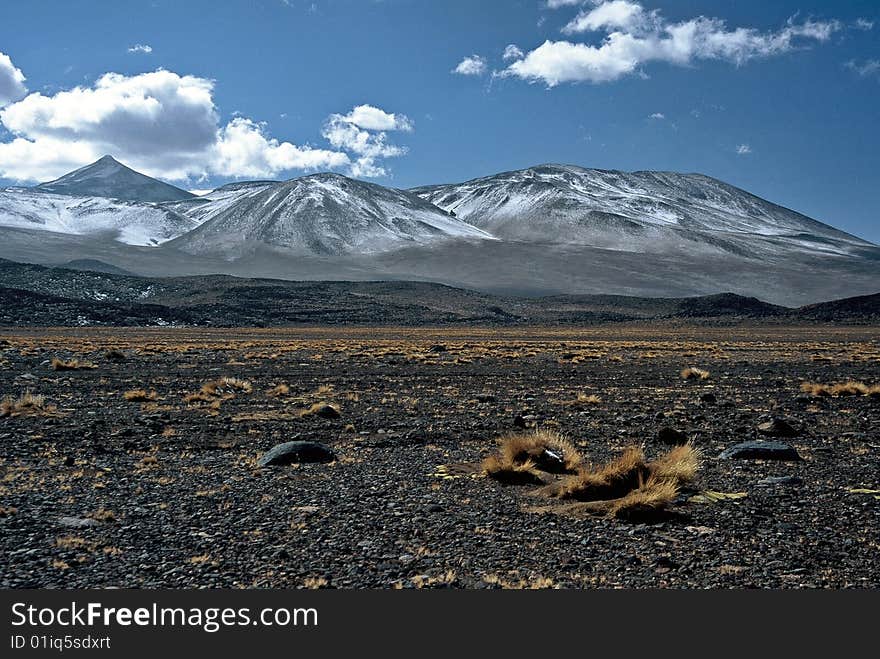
(27, 404)
(226, 385)
(71, 365)
(278, 390)
(626, 487)
(522, 457)
(694, 373)
(849, 388)
(609, 481)
(218, 390)
(680, 465)
(140, 395)
(581, 400)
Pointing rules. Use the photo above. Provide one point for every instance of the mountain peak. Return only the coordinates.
(107, 177)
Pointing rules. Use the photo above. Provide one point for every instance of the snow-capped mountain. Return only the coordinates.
(638, 212)
(109, 178)
(323, 214)
(128, 222)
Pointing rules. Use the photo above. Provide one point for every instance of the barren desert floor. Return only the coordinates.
(132, 463)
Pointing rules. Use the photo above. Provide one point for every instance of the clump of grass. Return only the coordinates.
(694, 373)
(140, 395)
(227, 385)
(627, 487)
(27, 404)
(849, 388)
(278, 390)
(522, 457)
(103, 515)
(609, 481)
(220, 389)
(71, 365)
(582, 400)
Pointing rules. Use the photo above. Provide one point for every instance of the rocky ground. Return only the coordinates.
(166, 492)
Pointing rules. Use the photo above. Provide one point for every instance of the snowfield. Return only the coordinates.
(128, 222)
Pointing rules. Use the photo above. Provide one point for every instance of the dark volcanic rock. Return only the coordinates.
(326, 411)
(290, 452)
(760, 451)
(781, 480)
(708, 398)
(777, 428)
(671, 436)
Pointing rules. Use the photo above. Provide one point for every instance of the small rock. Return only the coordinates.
(485, 398)
(777, 428)
(760, 451)
(435, 508)
(519, 421)
(290, 452)
(671, 436)
(708, 398)
(438, 347)
(781, 480)
(78, 522)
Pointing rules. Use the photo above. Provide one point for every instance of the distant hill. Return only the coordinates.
(38, 295)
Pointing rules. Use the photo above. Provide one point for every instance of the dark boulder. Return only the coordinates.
(291, 452)
(760, 451)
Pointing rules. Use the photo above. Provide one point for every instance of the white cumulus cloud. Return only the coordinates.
(167, 125)
(659, 116)
(512, 52)
(11, 81)
(633, 37)
(363, 132)
(743, 150)
(373, 118)
(473, 65)
(617, 14)
(141, 48)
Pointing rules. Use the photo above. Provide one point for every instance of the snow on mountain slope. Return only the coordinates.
(205, 207)
(109, 178)
(125, 221)
(638, 211)
(326, 214)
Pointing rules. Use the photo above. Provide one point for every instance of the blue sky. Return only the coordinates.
(781, 98)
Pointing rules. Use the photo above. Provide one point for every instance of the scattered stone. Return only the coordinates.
(671, 436)
(485, 398)
(781, 480)
(708, 397)
(78, 522)
(438, 347)
(760, 451)
(291, 452)
(777, 428)
(519, 421)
